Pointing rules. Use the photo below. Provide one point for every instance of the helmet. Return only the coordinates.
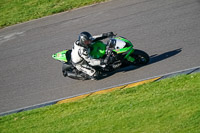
(111, 43)
(85, 39)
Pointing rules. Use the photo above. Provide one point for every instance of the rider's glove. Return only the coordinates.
(109, 34)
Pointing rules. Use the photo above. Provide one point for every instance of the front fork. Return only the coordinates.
(128, 57)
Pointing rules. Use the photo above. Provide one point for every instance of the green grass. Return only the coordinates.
(168, 106)
(17, 11)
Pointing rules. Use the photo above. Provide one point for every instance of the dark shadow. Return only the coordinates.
(156, 58)
(153, 59)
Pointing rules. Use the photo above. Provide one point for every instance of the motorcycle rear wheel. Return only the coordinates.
(69, 70)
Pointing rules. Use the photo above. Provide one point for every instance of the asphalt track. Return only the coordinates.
(168, 30)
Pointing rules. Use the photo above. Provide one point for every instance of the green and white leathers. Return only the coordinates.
(122, 54)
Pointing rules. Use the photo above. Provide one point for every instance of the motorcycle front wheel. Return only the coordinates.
(141, 57)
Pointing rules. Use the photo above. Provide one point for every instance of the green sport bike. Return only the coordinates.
(121, 54)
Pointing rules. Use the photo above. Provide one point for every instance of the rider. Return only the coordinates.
(80, 55)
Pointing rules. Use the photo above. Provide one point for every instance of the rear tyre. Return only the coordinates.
(70, 71)
(141, 57)
(66, 68)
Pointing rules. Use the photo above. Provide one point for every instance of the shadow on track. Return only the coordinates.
(153, 59)
(156, 58)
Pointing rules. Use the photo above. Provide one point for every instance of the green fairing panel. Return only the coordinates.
(118, 51)
(98, 50)
(61, 56)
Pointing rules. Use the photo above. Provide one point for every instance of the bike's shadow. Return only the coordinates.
(153, 59)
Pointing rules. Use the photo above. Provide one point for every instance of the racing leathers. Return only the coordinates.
(81, 58)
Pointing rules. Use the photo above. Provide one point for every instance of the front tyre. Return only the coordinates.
(141, 57)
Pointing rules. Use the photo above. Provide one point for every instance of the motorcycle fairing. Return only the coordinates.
(119, 44)
(129, 50)
(124, 40)
(98, 49)
(119, 51)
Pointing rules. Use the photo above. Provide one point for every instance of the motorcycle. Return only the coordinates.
(121, 54)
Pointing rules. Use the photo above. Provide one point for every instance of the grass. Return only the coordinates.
(167, 106)
(18, 11)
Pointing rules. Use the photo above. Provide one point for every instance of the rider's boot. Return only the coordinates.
(95, 76)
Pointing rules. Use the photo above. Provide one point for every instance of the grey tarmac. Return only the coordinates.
(168, 30)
